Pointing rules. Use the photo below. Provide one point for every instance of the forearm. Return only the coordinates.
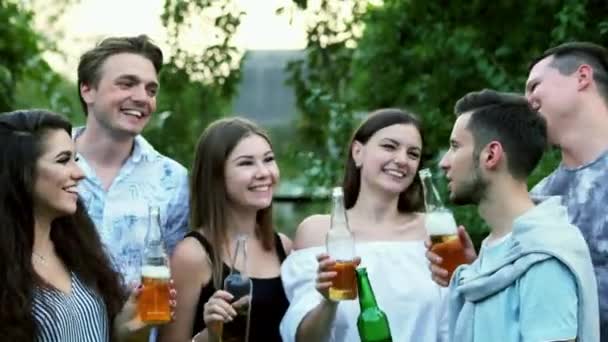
(121, 328)
(317, 324)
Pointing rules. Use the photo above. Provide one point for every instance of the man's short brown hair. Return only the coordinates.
(89, 67)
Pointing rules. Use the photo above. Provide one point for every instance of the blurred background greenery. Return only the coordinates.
(360, 55)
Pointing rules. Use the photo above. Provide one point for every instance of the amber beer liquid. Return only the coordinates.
(153, 303)
(442, 230)
(341, 248)
(345, 283)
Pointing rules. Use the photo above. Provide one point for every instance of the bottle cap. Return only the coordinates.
(337, 191)
(426, 172)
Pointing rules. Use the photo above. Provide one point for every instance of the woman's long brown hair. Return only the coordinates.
(22, 138)
(208, 196)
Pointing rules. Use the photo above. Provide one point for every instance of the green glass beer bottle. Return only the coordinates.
(372, 322)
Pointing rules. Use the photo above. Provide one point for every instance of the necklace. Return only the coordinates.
(40, 258)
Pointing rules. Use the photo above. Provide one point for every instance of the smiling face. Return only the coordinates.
(461, 165)
(57, 176)
(251, 173)
(125, 95)
(390, 158)
(552, 94)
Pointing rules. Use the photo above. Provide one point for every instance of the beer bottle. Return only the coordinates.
(441, 226)
(372, 322)
(341, 248)
(153, 302)
(239, 285)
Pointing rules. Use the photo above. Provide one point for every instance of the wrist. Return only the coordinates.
(198, 337)
(330, 304)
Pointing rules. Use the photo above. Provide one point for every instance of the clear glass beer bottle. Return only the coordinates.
(372, 322)
(153, 302)
(341, 248)
(239, 285)
(441, 226)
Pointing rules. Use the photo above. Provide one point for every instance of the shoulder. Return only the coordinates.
(311, 231)
(190, 257)
(553, 315)
(542, 185)
(550, 271)
(160, 159)
(171, 166)
(286, 242)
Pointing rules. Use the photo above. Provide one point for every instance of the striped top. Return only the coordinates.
(79, 316)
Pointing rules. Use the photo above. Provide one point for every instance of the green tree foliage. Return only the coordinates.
(20, 48)
(26, 80)
(196, 86)
(423, 56)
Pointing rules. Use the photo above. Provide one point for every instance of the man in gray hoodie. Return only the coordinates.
(568, 85)
(533, 279)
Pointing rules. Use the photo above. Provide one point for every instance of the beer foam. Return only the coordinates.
(440, 223)
(155, 272)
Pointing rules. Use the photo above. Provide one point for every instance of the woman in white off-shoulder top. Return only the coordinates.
(384, 202)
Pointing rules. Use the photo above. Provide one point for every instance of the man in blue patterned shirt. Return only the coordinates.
(118, 84)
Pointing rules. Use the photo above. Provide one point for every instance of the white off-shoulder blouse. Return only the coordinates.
(401, 280)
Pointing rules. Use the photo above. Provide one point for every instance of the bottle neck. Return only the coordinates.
(366, 294)
(432, 201)
(154, 234)
(239, 259)
(338, 214)
(154, 250)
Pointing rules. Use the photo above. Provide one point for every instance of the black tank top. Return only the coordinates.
(268, 300)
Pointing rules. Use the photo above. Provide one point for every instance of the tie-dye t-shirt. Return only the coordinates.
(584, 192)
(121, 213)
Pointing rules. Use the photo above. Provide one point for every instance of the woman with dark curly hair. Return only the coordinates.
(57, 283)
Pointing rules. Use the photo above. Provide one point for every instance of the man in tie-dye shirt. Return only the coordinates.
(118, 84)
(568, 85)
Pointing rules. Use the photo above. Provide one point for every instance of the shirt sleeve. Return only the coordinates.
(548, 302)
(298, 273)
(178, 211)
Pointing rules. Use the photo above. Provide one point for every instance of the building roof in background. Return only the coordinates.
(263, 95)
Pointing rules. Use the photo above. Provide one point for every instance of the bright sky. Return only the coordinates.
(87, 22)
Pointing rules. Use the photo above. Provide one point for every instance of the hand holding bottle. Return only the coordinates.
(439, 274)
(326, 273)
(218, 310)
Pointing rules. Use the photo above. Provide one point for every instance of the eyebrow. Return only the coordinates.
(249, 156)
(530, 82)
(396, 142)
(64, 153)
(136, 79)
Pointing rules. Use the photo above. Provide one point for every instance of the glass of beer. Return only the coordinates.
(340, 245)
(441, 228)
(344, 284)
(153, 302)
